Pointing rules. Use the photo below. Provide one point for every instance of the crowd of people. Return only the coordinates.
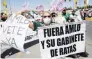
(46, 18)
(54, 17)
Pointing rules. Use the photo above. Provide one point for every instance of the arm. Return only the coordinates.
(31, 25)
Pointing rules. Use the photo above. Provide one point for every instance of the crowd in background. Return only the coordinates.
(82, 12)
(40, 18)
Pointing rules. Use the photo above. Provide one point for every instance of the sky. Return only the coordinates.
(16, 5)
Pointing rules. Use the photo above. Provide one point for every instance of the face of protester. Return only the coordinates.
(53, 16)
(46, 18)
(3, 16)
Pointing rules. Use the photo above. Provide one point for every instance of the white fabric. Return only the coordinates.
(60, 20)
(76, 18)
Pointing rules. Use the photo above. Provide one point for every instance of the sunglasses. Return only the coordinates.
(46, 16)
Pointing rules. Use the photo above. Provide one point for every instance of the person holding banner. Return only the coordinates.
(66, 15)
(46, 20)
(57, 18)
(77, 18)
(27, 14)
(74, 17)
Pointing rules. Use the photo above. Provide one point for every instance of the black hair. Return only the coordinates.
(53, 14)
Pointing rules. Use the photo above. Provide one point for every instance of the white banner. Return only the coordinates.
(14, 35)
(14, 19)
(14, 31)
(61, 40)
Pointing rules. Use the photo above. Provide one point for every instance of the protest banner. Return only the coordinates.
(61, 40)
(14, 31)
(14, 18)
(14, 35)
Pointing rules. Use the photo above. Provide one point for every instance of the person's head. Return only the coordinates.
(38, 18)
(73, 12)
(64, 12)
(26, 14)
(40, 13)
(4, 16)
(46, 18)
(54, 16)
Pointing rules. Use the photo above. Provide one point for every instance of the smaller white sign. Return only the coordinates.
(13, 31)
(14, 35)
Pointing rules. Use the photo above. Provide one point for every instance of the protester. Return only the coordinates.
(53, 16)
(90, 13)
(79, 18)
(75, 16)
(46, 20)
(3, 17)
(82, 14)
